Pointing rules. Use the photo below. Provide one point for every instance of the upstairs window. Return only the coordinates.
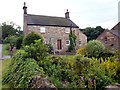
(42, 29)
(67, 30)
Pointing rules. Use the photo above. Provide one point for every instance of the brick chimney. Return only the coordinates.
(67, 15)
(25, 8)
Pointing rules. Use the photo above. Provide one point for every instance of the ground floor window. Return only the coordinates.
(67, 42)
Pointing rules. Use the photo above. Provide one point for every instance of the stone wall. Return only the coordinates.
(52, 34)
(109, 40)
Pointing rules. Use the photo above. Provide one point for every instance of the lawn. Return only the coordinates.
(3, 68)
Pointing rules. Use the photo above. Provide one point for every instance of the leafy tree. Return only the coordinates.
(92, 33)
(31, 37)
(9, 30)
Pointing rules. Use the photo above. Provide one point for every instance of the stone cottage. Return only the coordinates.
(55, 30)
(111, 38)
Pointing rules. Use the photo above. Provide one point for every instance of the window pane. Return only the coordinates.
(42, 29)
(67, 30)
(67, 42)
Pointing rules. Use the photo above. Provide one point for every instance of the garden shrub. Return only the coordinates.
(38, 50)
(59, 71)
(50, 49)
(94, 48)
(82, 51)
(31, 37)
(82, 63)
(19, 42)
(101, 72)
(21, 71)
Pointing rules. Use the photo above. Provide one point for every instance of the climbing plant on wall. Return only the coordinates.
(72, 38)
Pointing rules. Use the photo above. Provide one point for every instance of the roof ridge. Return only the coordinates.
(46, 16)
(115, 26)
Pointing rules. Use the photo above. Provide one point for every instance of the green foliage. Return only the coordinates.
(96, 73)
(50, 49)
(10, 39)
(81, 51)
(38, 50)
(59, 70)
(106, 53)
(92, 33)
(72, 38)
(21, 71)
(30, 38)
(9, 30)
(103, 72)
(81, 63)
(19, 42)
(94, 48)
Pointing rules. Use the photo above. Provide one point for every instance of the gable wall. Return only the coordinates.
(111, 42)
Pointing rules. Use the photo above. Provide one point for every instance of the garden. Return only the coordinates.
(92, 67)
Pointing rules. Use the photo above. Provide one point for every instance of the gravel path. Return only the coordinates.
(3, 57)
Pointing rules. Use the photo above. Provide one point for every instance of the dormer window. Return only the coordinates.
(67, 30)
(42, 29)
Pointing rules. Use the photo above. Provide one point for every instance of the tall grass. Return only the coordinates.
(4, 65)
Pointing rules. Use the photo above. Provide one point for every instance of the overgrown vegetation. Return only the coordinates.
(89, 68)
(22, 70)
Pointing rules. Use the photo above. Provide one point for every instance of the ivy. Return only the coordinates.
(72, 38)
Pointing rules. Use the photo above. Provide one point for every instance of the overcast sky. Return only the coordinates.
(85, 13)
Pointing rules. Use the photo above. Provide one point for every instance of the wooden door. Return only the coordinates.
(59, 44)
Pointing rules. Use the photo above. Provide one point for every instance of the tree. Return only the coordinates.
(8, 29)
(31, 37)
(92, 33)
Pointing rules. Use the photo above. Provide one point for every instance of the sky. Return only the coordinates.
(85, 13)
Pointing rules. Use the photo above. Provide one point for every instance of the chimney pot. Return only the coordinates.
(67, 15)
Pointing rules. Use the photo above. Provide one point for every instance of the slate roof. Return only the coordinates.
(49, 21)
(116, 31)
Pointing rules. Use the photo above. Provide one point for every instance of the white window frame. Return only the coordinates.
(42, 29)
(68, 42)
(67, 30)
